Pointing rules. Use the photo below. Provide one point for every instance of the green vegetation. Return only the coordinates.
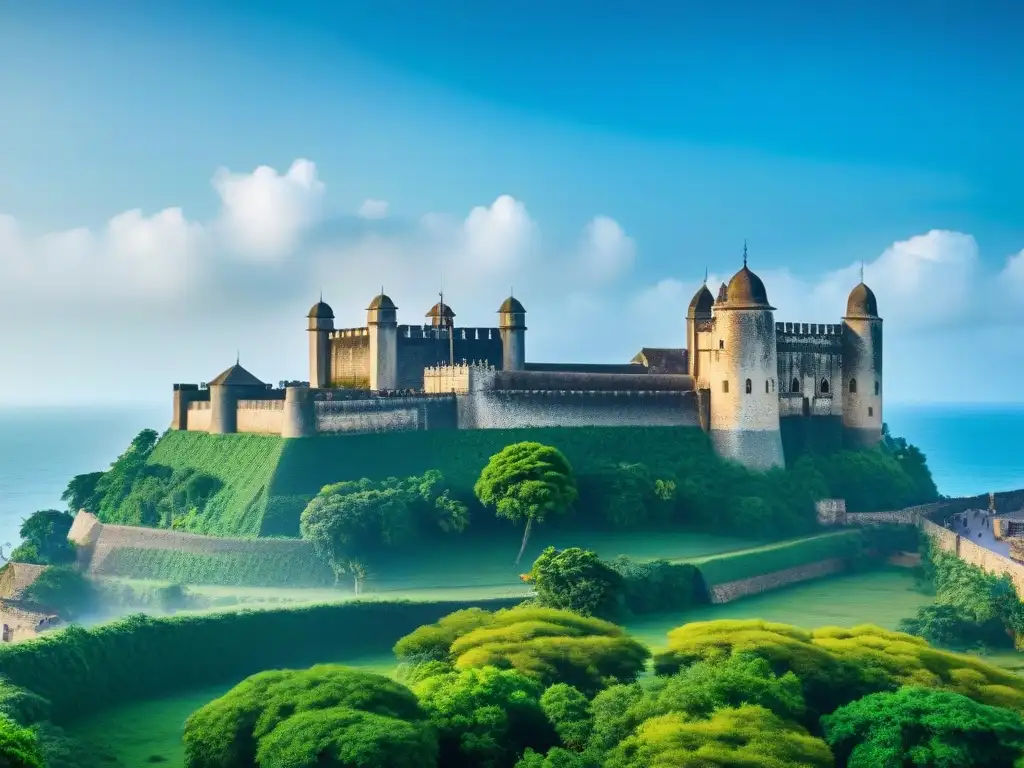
(44, 539)
(323, 716)
(257, 563)
(733, 566)
(347, 522)
(527, 482)
(19, 747)
(64, 591)
(934, 728)
(576, 580)
(972, 609)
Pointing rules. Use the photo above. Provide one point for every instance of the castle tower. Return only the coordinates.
(862, 369)
(321, 323)
(700, 310)
(744, 402)
(441, 316)
(226, 390)
(382, 322)
(512, 327)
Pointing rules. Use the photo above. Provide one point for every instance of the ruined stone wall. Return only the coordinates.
(734, 590)
(510, 409)
(385, 414)
(264, 417)
(350, 358)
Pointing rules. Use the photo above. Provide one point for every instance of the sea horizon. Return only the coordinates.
(970, 447)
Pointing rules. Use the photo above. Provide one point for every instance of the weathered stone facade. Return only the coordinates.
(734, 590)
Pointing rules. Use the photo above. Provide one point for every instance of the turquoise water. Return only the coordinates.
(970, 449)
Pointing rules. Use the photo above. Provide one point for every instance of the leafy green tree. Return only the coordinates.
(557, 757)
(627, 495)
(918, 726)
(290, 717)
(568, 711)
(45, 538)
(914, 464)
(744, 736)
(116, 483)
(433, 642)
(485, 717)
(527, 481)
(63, 590)
(577, 580)
(19, 747)
(80, 492)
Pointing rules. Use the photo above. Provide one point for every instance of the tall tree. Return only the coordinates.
(527, 481)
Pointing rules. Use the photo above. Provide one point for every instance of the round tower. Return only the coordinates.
(700, 310)
(382, 326)
(320, 326)
(744, 401)
(512, 328)
(862, 369)
(441, 316)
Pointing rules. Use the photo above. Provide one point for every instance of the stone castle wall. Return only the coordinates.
(385, 414)
(505, 409)
(425, 347)
(810, 369)
(263, 417)
(199, 416)
(734, 590)
(350, 357)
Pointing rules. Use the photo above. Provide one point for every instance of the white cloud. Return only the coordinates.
(264, 213)
(374, 209)
(498, 238)
(606, 252)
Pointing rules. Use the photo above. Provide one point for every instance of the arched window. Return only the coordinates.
(824, 386)
(853, 386)
(766, 389)
(878, 387)
(750, 386)
(796, 384)
(725, 386)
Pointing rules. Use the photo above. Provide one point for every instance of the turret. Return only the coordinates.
(512, 327)
(700, 310)
(744, 400)
(441, 316)
(382, 327)
(862, 369)
(226, 390)
(321, 323)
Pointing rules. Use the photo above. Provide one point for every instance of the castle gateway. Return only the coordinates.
(752, 383)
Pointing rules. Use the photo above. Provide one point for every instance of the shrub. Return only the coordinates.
(923, 727)
(19, 747)
(658, 585)
(576, 580)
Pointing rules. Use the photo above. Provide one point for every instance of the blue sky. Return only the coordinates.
(824, 137)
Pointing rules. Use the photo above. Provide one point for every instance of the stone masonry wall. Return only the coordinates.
(390, 414)
(199, 417)
(263, 417)
(734, 590)
(506, 409)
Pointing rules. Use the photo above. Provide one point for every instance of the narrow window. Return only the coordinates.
(766, 387)
(871, 411)
(721, 343)
(725, 386)
(878, 386)
(750, 386)
(853, 386)
(773, 385)
(796, 384)
(824, 386)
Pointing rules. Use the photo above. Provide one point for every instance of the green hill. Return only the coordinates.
(267, 481)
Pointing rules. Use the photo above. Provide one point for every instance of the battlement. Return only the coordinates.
(462, 378)
(430, 332)
(349, 333)
(808, 329)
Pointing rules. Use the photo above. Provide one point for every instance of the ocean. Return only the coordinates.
(970, 449)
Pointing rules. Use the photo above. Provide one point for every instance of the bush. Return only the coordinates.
(658, 586)
(576, 580)
(64, 591)
(935, 728)
(19, 747)
(326, 715)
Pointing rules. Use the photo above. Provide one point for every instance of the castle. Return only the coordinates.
(745, 379)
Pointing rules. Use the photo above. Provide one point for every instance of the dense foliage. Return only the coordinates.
(972, 608)
(348, 522)
(63, 590)
(44, 539)
(933, 728)
(545, 644)
(577, 580)
(527, 483)
(19, 747)
(324, 716)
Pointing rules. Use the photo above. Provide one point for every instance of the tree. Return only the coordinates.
(116, 483)
(918, 726)
(81, 492)
(45, 538)
(568, 711)
(485, 717)
(19, 747)
(291, 717)
(527, 481)
(747, 736)
(576, 580)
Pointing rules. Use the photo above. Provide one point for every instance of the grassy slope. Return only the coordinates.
(243, 463)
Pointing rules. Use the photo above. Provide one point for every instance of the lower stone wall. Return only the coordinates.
(199, 417)
(734, 590)
(386, 414)
(899, 517)
(263, 417)
(541, 408)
